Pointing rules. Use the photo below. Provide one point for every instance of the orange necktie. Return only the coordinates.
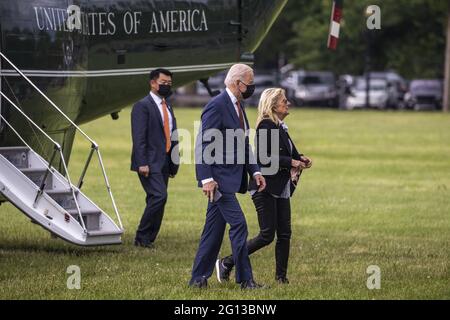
(166, 125)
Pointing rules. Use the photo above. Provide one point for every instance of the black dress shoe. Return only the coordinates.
(148, 245)
(251, 284)
(283, 280)
(223, 272)
(199, 284)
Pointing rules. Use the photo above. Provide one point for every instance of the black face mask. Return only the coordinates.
(249, 92)
(165, 90)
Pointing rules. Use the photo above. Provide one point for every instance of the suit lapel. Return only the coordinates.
(245, 116)
(155, 110)
(231, 108)
(285, 138)
(174, 120)
(293, 145)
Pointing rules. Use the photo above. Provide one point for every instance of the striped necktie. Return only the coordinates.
(241, 115)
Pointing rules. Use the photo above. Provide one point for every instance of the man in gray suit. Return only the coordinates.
(153, 127)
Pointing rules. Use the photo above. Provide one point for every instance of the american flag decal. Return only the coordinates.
(335, 24)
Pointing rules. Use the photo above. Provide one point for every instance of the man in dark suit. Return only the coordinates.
(155, 152)
(224, 171)
(281, 165)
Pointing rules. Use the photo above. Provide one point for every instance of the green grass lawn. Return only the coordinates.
(378, 194)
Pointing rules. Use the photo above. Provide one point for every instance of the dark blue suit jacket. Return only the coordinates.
(149, 142)
(220, 114)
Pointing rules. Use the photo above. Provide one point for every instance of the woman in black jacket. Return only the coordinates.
(281, 165)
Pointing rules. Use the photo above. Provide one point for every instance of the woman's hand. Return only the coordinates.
(295, 174)
(297, 164)
(307, 161)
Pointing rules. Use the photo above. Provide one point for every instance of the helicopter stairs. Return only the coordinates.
(45, 195)
(22, 172)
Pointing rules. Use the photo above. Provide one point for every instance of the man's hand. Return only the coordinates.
(209, 189)
(144, 171)
(307, 161)
(260, 182)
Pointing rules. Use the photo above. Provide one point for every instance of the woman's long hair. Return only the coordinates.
(268, 103)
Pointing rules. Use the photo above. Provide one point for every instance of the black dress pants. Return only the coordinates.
(155, 186)
(274, 217)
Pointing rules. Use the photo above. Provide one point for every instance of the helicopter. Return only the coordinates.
(102, 64)
(64, 63)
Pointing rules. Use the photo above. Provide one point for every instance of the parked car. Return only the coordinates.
(195, 94)
(263, 80)
(378, 94)
(397, 87)
(344, 85)
(424, 94)
(216, 82)
(311, 88)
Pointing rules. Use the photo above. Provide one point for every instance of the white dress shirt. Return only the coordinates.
(234, 100)
(158, 101)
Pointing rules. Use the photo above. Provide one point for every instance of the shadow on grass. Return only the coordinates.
(55, 248)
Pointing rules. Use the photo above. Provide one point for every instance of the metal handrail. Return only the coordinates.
(48, 99)
(42, 160)
(57, 147)
(94, 146)
(44, 179)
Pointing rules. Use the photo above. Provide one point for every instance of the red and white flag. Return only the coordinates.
(335, 24)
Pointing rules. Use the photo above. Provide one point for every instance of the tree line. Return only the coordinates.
(411, 40)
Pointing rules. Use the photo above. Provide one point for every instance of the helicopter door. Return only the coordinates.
(232, 28)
